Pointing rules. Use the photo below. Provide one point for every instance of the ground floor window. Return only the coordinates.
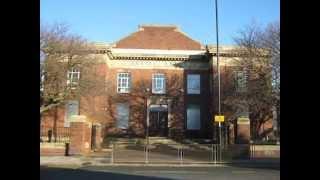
(72, 108)
(193, 117)
(122, 115)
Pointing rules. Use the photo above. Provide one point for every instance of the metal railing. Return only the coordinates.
(50, 134)
(166, 153)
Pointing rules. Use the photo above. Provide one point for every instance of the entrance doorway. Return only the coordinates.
(158, 121)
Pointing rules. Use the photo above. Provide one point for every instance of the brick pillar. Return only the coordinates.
(98, 136)
(243, 130)
(80, 135)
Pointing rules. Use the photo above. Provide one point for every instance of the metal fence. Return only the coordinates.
(167, 153)
(50, 134)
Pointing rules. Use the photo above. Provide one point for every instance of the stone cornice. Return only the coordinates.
(149, 58)
(163, 55)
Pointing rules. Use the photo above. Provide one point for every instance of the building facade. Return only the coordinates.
(157, 77)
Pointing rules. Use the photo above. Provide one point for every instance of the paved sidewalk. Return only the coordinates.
(79, 161)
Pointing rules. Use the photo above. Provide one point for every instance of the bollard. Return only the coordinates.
(49, 135)
(178, 155)
(146, 154)
(211, 158)
(67, 149)
(215, 153)
(112, 153)
(181, 155)
(220, 153)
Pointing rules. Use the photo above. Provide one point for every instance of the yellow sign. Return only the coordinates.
(218, 118)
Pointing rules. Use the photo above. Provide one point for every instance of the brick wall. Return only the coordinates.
(265, 151)
(58, 114)
(80, 138)
(52, 149)
(176, 81)
(102, 108)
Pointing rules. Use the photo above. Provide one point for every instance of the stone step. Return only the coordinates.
(131, 141)
(139, 140)
(187, 143)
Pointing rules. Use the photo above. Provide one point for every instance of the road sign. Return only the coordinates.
(218, 118)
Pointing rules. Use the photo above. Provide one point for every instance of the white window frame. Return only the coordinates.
(42, 78)
(241, 76)
(193, 77)
(189, 123)
(123, 82)
(158, 83)
(118, 124)
(73, 77)
(67, 117)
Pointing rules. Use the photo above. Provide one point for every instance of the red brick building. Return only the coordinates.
(157, 75)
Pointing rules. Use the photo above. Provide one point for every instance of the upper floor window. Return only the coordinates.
(193, 84)
(241, 81)
(73, 77)
(123, 82)
(158, 84)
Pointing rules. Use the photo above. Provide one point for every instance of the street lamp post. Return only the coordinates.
(218, 67)
(147, 120)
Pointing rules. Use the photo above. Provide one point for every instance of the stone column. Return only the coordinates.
(80, 135)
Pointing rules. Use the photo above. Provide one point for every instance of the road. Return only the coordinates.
(159, 173)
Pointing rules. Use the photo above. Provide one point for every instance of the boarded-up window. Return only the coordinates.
(193, 83)
(122, 115)
(72, 108)
(193, 117)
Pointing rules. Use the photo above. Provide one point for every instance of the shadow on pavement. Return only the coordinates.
(53, 173)
(266, 163)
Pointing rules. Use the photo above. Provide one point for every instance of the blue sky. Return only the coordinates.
(111, 20)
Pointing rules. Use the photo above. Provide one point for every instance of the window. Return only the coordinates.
(42, 78)
(123, 83)
(73, 77)
(193, 83)
(158, 84)
(241, 81)
(193, 117)
(122, 115)
(72, 108)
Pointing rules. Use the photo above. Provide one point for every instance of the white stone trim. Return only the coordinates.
(147, 64)
(78, 118)
(158, 51)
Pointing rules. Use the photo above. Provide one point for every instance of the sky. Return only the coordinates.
(110, 20)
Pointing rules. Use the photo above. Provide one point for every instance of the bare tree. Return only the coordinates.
(61, 52)
(259, 62)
